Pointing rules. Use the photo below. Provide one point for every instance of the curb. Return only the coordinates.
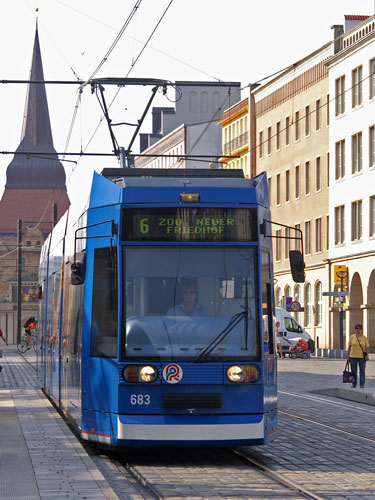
(351, 395)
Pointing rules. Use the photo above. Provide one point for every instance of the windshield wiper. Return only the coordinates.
(234, 321)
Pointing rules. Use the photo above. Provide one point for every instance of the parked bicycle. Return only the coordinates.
(28, 341)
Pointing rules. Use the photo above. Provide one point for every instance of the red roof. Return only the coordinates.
(353, 17)
(31, 205)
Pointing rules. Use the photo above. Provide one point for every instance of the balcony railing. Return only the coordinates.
(236, 143)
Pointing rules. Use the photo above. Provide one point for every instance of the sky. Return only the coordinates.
(203, 40)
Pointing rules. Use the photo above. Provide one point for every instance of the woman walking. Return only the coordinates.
(358, 355)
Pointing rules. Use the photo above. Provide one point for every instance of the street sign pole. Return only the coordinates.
(342, 274)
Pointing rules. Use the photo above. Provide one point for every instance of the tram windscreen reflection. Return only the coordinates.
(178, 300)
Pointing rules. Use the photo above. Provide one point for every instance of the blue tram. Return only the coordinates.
(156, 310)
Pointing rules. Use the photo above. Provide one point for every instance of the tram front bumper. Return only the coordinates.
(177, 429)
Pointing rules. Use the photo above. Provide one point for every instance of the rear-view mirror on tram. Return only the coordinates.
(297, 266)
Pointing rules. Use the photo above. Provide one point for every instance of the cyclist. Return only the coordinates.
(4, 339)
(30, 327)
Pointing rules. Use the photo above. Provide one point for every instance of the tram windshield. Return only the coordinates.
(190, 303)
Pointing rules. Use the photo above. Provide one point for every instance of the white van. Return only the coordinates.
(290, 330)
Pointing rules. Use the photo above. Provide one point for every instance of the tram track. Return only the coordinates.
(332, 427)
(180, 471)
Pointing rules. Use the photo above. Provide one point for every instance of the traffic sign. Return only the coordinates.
(288, 301)
(335, 294)
(295, 306)
(340, 275)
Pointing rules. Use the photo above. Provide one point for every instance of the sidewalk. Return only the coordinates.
(324, 376)
(40, 459)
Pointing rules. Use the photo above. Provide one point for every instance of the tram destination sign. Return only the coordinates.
(189, 224)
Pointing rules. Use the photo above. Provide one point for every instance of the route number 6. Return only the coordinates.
(140, 399)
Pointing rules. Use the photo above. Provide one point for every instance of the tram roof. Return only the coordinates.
(157, 177)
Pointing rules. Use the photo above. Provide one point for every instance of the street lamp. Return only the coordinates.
(342, 275)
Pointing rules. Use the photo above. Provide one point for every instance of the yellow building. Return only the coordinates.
(235, 137)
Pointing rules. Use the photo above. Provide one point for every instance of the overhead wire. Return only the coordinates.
(199, 70)
(265, 141)
(35, 13)
(128, 73)
(78, 101)
(115, 42)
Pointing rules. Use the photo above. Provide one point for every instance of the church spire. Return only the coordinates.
(36, 137)
(36, 127)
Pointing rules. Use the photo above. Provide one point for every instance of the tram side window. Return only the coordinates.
(104, 326)
(268, 330)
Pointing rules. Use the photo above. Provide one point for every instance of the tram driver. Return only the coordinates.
(189, 305)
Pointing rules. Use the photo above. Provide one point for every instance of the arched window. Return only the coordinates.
(278, 297)
(204, 102)
(318, 304)
(215, 101)
(308, 305)
(193, 102)
(287, 291)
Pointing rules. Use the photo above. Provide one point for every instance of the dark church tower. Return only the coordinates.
(34, 183)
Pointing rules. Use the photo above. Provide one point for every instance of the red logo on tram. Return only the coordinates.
(172, 373)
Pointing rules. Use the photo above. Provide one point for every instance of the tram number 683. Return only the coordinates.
(140, 399)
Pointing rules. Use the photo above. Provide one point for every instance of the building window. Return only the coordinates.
(307, 178)
(372, 146)
(308, 237)
(296, 126)
(278, 297)
(339, 225)
(278, 244)
(340, 159)
(356, 220)
(372, 215)
(269, 140)
(372, 78)
(308, 305)
(318, 174)
(327, 232)
(287, 242)
(340, 96)
(318, 304)
(287, 185)
(356, 153)
(278, 189)
(269, 180)
(327, 170)
(28, 243)
(278, 136)
(327, 108)
(357, 86)
(297, 182)
(318, 235)
(307, 120)
(297, 241)
(317, 115)
(287, 131)
(287, 291)
(261, 144)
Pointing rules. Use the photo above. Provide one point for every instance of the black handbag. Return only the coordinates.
(347, 374)
(364, 352)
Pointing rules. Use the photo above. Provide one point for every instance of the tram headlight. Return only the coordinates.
(148, 373)
(243, 373)
(140, 373)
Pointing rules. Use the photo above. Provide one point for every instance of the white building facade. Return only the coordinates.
(352, 178)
